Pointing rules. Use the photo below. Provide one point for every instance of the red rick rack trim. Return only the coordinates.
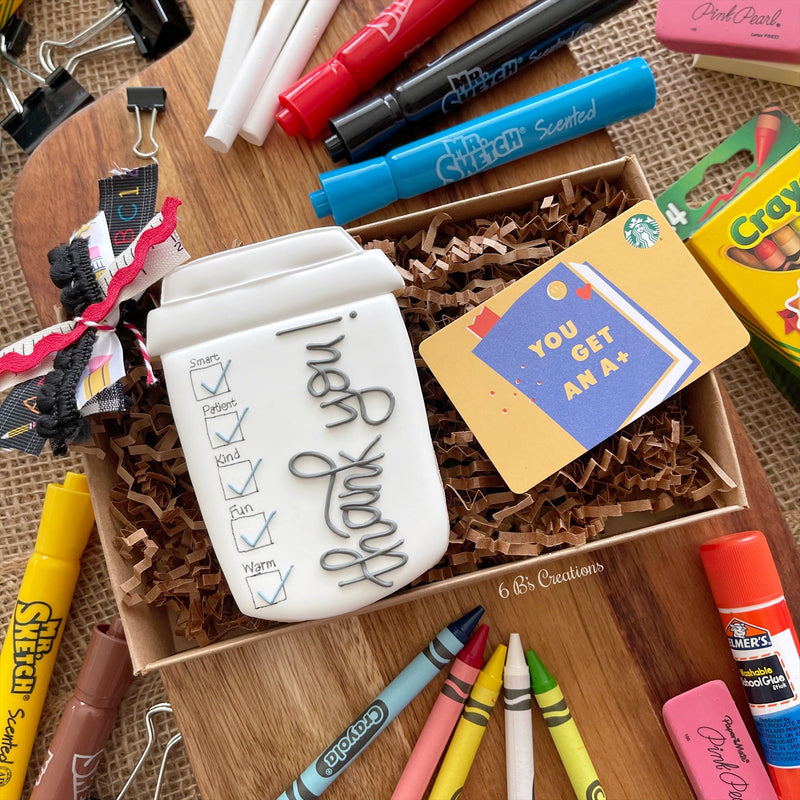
(97, 312)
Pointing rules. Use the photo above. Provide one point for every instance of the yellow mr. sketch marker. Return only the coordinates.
(564, 731)
(470, 729)
(37, 625)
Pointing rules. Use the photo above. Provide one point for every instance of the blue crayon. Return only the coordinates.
(333, 760)
(564, 113)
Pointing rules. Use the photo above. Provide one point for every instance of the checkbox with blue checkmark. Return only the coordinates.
(268, 587)
(225, 429)
(239, 479)
(251, 532)
(210, 381)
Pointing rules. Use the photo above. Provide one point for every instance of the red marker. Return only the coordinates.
(361, 62)
(80, 739)
(442, 720)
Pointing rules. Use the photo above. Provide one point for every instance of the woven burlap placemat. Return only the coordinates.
(696, 109)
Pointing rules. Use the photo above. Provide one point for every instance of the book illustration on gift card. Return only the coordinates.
(621, 364)
(583, 345)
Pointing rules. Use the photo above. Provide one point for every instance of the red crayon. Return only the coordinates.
(442, 720)
(765, 133)
(768, 126)
(80, 739)
(361, 62)
(769, 254)
(788, 241)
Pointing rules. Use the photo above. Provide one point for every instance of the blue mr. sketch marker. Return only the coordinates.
(383, 709)
(548, 119)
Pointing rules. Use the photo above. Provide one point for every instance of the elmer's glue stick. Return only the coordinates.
(37, 625)
(763, 640)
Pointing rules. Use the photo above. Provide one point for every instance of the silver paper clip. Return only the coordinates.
(159, 708)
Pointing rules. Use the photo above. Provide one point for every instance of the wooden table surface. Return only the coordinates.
(620, 641)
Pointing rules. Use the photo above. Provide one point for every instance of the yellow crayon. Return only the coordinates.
(564, 731)
(37, 625)
(470, 729)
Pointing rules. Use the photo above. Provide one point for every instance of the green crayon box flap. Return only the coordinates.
(765, 138)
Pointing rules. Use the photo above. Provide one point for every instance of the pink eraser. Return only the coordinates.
(713, 744)
(766, 30)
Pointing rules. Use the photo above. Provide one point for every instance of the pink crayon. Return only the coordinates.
(442, 720)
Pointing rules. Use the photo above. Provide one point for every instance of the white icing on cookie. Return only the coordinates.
(296, 397)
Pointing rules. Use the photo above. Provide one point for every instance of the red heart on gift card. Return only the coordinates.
(585, 291)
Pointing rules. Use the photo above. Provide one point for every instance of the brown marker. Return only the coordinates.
(80, 739)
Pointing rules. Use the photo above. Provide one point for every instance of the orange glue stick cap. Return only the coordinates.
(741, 571)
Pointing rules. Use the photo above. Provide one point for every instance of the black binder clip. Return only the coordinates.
(58, 96)
(146, 98)
(156, 25)
(16, 31)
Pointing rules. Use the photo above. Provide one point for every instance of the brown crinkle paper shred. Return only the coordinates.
(650, 466)
(161, 531)
(449, 268)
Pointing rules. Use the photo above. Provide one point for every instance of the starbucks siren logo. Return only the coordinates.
(641, 231)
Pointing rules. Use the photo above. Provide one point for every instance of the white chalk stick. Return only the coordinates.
(288, 68)
(241, 32)
(256, 65)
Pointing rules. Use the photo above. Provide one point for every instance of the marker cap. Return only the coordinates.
(107, 669)
(376, 189)
(740, 570)
(308, 105)
(360, 129)
(67, 518)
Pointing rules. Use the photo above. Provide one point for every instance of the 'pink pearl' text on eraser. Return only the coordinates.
(714, 746)
(766, 30)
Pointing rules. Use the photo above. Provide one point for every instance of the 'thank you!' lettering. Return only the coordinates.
(354, 511)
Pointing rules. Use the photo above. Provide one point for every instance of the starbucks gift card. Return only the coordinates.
(583, 345)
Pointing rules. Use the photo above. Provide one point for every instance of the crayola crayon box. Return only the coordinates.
(747, 238)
